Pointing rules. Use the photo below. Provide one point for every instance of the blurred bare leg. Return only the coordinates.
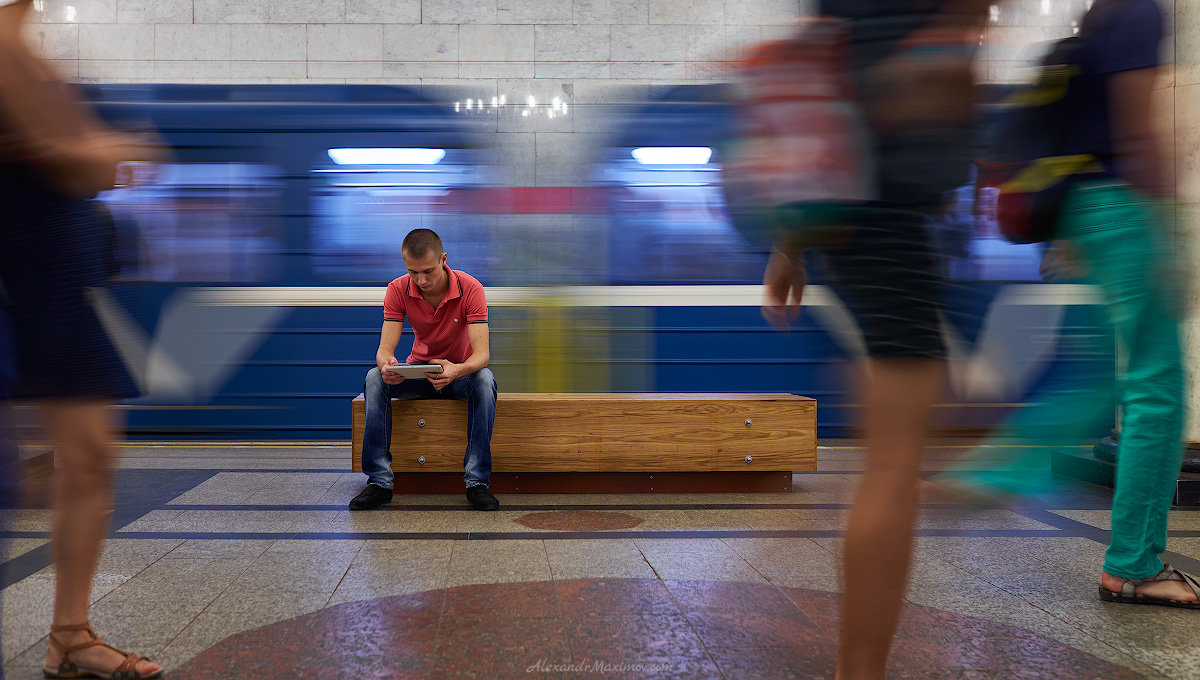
(81, 434)
(899, 395)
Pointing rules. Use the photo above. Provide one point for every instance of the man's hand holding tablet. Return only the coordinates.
(447, 372)
(389, 378)
(405, 371)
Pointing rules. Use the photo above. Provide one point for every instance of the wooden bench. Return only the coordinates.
(614, 443)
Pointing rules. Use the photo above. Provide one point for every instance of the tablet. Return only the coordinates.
(414, 370)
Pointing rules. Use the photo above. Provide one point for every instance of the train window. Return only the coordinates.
(670, 224)
(365, 200)
(192, 222)
(969, 243)
(669, 221)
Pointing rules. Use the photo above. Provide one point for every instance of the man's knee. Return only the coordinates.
(374, 379)
(484, 382)
(375, 390)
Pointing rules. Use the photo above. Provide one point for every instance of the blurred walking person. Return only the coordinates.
(909, 64)
(1114, 224)
(54, 156)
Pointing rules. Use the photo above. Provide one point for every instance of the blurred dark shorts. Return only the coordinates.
(886, 272)
(53, 249)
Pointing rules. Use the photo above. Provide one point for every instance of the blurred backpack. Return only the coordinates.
(818, 137)
(1024, 157)
(800, 156)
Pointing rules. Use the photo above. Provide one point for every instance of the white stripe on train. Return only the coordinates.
(1054, 294)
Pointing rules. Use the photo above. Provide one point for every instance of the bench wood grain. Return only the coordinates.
(608, 433)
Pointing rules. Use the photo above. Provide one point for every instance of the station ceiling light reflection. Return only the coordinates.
(672, 155)
(387, 156)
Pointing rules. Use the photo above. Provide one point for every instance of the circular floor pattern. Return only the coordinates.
(622, 628)
(578, 520)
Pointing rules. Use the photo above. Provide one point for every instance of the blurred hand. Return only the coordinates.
(783, 289)
(389, 377)
(147, 145)
(1061, 263)
(450, 371)
(123, 146)
(92, 158)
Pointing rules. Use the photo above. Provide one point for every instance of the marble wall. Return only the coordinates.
(1182, 101)
(417, 41)
(589, 54)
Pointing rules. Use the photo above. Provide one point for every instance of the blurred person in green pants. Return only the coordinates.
(1116, 227)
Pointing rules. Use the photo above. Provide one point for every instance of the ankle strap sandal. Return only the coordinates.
(69, 669)
(1129, 594)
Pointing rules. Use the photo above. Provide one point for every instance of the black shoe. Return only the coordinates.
(371, 497)
(481, 498)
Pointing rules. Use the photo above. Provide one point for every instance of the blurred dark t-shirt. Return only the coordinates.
(1121, 35)
(915, 166)
(876, 26)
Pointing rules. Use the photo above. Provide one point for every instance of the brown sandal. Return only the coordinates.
(1129, 594)
(69, 669)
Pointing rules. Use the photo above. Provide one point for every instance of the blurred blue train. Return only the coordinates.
(251, 265)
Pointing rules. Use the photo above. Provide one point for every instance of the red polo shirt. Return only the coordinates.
(440, 333)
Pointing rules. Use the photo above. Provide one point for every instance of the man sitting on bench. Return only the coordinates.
(448, 314)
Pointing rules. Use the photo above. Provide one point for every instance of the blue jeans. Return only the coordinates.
(477, 389)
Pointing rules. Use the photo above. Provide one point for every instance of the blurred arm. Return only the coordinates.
(783, 285)
(53, 130)
(1141, 157)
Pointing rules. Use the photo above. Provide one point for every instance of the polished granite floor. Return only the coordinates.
(240, 561)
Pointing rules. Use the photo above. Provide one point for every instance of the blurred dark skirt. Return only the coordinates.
(53, 249)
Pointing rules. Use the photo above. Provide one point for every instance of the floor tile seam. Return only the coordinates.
(287, 470)
(342, 580)
(120, 517)
(1014, 591)
(646, 559)
(1088, 634)
(617, 534)
(828, 550)
(453, 550)
(135, 574)
(328, 489)
(1104, 536)
(1133, 660)
(44, 640)
(243, 572)
(753, 568)
(192, 621)
(550, 565)
(691, 626)
(1149, 660)
(262, 470)
(1045, 559)
(328, 507)
(966, 574)
(1066, 622)
(244, 457)
(1100, 536)
(167, 556)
